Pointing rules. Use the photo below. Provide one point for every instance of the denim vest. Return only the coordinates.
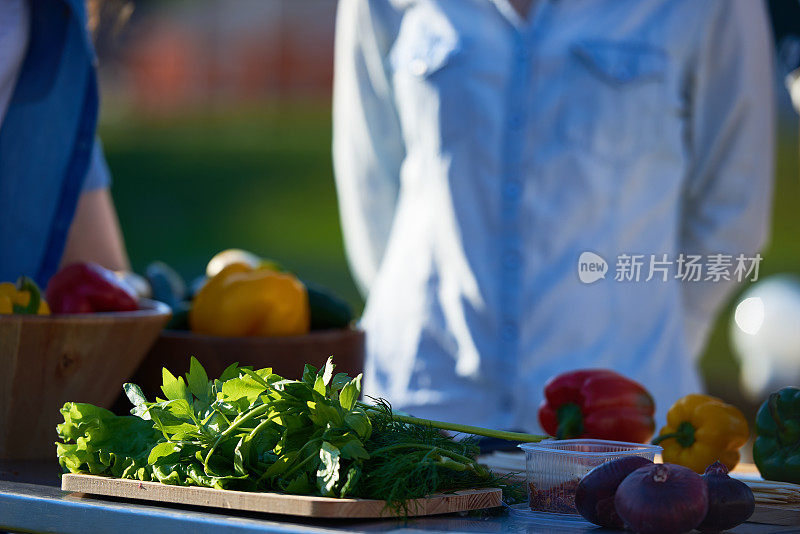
(46, 140)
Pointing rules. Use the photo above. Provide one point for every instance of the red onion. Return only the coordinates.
(662, 499)
(594, 497)
(730, 501)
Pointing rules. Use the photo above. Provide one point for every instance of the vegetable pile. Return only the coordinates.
(665, 498)
(76, 288)
(242, 294)
(253, 430)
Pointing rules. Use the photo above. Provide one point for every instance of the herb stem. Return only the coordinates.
(253, 433)
(255, 412)
(464, 429)
(294, 469)
(432, 448)
(402, 446)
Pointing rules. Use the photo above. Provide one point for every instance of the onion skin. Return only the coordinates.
(730, 501)
(662, 499)
(594, 497)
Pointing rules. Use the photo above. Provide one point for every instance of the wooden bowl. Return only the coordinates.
(286, 355)
(52, 359)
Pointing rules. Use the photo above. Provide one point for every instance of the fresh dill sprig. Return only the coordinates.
(410, 461)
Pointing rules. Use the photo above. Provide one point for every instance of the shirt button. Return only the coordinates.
(511, 259)
(522, 53)
(516, 122)
(623, 74)
(511, 189)
(418, 67)
(506, 401)
(509, 331)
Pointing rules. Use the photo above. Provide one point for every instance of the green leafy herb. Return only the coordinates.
(328, 472)
(256, 431)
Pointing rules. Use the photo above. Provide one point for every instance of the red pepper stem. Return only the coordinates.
(570, 421)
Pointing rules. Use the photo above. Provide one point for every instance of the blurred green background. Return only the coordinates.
(782, 255)
(261, 179)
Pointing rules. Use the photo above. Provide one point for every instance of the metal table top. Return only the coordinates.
(41, 508)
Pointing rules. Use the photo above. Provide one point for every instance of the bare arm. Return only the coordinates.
(95, 234)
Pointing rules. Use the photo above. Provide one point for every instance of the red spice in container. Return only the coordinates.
(559, 499)
(553, 468)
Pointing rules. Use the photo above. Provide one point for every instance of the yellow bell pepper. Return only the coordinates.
(701, 430)
(245, 301)
(22, 298)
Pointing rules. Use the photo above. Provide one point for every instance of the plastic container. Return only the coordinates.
(554, 468)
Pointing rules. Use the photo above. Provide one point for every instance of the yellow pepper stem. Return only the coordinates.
(25, 283)
(684, 435)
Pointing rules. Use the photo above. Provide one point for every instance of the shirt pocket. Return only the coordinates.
(614, 99)
(426, 76)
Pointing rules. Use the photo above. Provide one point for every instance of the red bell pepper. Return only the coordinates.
(89, 288)
(597, 403)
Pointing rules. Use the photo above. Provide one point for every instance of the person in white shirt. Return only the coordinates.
(482, 146)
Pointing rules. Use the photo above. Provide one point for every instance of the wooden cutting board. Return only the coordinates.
(278, 503)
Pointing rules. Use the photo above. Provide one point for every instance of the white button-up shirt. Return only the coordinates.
(479, 154)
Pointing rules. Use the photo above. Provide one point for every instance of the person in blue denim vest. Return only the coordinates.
(55, 206)
(482, 148)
